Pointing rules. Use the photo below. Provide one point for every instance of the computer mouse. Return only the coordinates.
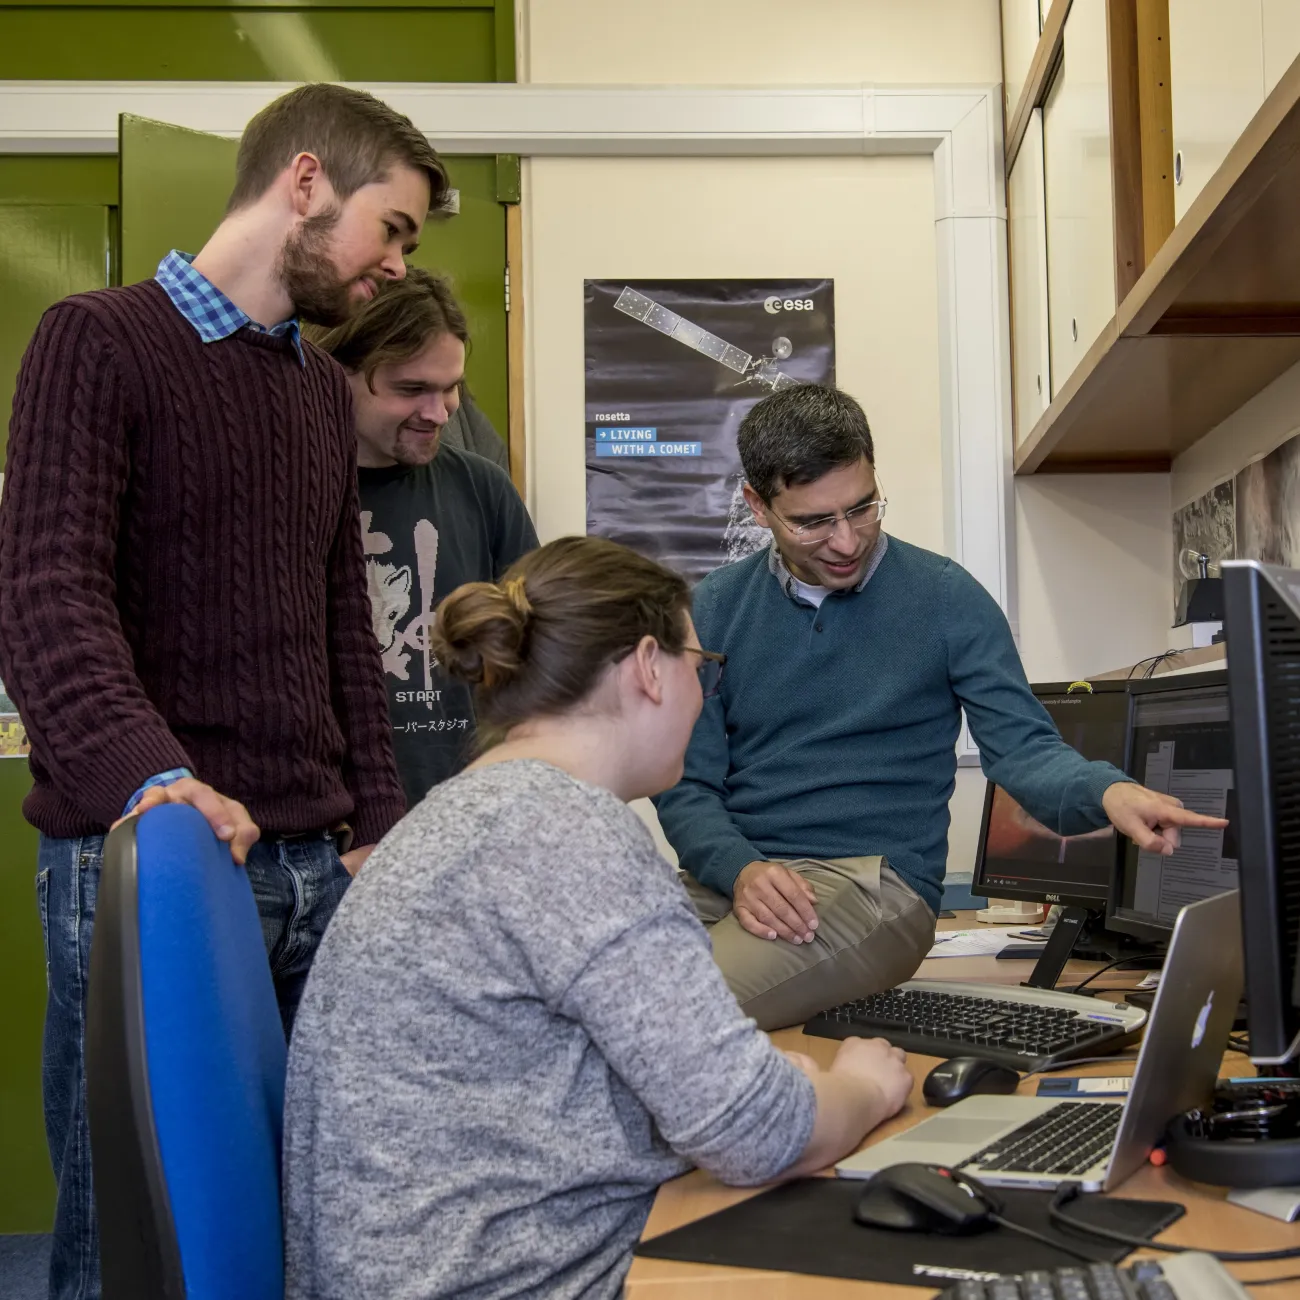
(967, 1076)
(925, 1198)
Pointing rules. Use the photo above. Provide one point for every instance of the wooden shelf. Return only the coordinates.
(1213, 319)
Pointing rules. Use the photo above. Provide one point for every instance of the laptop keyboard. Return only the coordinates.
(1066, 1140)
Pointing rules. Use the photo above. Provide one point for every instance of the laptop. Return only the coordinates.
(1041, 1142)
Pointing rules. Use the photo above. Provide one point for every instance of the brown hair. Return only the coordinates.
(356, 137)
(394, 325)
(536, 643)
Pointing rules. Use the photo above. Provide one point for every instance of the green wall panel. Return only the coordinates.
(47, 251)
(26, 1184)
(58, 178)
(232, 44)
(470, 250)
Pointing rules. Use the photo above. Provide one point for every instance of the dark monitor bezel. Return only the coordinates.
(1271, 991)
(1093, 901)
(1168, 683)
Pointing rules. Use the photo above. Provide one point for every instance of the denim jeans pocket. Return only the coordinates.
(43, 907)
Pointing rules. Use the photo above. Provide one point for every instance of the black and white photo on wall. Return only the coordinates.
(672, 367)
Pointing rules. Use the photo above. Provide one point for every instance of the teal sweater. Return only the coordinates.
(834, 734)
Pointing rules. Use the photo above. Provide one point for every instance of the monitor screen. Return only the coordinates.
(1181, 745)
(1021, 858)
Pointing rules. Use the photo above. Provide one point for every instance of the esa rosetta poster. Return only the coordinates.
(672, 367)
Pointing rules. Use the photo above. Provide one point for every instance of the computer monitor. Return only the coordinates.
(1020, 858)
(1262, 624)
(1180, 744)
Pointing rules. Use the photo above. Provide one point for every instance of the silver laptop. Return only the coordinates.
(1045, 1141)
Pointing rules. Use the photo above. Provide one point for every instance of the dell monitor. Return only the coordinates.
(1018, 857)
(1262, 623)
(1181, 744)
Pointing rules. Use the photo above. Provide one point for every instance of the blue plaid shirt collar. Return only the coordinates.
(211, 313)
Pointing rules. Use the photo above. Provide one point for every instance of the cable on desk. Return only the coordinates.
(1068, 1192)
(1119, 961)
(1269, 1281)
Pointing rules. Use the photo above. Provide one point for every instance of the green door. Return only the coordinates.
(174, 186)
(47, 251)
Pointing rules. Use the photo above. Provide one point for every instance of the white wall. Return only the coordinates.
(1095, 569)
(760, 42)
(868, 222)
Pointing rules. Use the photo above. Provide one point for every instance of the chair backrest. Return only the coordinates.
(185, 1068)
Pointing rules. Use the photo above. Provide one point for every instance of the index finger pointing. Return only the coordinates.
(1185, 817)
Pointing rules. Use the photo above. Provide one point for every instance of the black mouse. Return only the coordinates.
(967, 1076)
(926, 1198)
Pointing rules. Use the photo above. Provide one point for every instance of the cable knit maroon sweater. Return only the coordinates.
(181, 576)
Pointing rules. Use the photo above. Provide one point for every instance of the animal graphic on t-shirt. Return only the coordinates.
(390, 598)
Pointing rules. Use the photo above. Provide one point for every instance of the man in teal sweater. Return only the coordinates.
(812, 819)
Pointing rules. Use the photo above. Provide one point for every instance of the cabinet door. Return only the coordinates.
(1281, 39)
(1026, 201)
(1020, 28)
(1080, 222)
(1216, 79)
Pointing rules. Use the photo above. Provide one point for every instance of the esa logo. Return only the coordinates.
(774, 305)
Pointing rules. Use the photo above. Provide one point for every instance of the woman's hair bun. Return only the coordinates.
(481, 631)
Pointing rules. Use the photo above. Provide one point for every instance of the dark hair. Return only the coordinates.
(536, 643)
(394, 325)
(800, 433)
(356, 137)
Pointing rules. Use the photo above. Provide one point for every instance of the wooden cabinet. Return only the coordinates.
(1216, 64)
(1077, 181)
(1026, 208)
(1021, 25)
(1281, 23)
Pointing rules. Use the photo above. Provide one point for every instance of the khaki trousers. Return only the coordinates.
(873, 932)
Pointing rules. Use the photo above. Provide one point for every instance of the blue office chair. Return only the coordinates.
(185, 1066)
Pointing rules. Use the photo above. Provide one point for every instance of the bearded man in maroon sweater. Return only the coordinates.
(183, 604)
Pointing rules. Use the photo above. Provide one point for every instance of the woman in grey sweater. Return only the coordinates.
(514, 1030)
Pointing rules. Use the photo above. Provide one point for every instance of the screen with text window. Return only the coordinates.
(1182, 746)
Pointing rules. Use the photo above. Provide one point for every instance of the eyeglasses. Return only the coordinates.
(860, 518)
(710, 670)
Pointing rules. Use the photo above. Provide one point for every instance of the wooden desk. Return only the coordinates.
(1209, 1220)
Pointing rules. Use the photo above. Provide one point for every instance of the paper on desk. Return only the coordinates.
(983, 942)
(1151, 981)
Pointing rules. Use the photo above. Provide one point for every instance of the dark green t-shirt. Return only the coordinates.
(427, 531)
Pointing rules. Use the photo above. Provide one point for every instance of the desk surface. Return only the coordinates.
(1209, 1220)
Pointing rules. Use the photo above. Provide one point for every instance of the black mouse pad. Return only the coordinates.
(808, 1227)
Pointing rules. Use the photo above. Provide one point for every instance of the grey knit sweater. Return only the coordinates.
(514, 1031)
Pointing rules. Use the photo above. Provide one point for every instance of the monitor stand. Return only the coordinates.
(1079, 932)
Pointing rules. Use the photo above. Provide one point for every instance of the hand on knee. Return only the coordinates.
(773, 902)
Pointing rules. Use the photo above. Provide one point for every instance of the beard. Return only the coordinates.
(319, 297)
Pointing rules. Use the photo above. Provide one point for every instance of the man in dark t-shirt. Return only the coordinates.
(433, 516)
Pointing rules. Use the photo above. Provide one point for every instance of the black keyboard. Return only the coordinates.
(1027, 1029)
(1067, 1140)
(1193, 1276)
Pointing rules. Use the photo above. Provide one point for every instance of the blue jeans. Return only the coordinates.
(297, 883)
